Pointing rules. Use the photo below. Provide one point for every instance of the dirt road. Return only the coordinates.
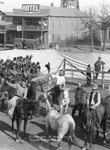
(36, 133)
(35, 127)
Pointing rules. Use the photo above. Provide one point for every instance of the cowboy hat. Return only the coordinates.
(94, 87)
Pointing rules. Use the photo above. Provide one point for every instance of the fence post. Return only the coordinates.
(102, 75)
(64, 64)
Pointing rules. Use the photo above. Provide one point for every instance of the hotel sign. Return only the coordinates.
(30, 7)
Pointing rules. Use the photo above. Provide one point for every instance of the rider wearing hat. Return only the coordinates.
(94, 101)
(94, 98)
(21, 92)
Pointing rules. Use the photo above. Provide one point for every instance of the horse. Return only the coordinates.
(23, 108)
(62, 123)
(106, 103)
(61, 97)
(88, 124)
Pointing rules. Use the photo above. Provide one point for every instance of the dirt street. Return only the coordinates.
(36, 133)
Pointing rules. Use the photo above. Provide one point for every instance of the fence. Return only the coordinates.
(103, 73)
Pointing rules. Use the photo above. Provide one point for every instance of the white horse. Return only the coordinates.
(62, 123)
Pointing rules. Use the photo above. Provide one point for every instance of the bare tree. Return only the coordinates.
(89, 23)
(104, 19)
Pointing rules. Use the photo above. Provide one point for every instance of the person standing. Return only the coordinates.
(88, 73)
(97, 67)
(79, 99)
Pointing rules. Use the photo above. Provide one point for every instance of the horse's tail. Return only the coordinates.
(72, 133)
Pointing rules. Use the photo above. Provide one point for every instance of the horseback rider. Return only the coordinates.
(93, 102)
(79, 99)
(21, 93)
(60, 82)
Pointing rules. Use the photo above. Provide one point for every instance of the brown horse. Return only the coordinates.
(23, 108)
(89, 122)
(106, 103)
(62, 123)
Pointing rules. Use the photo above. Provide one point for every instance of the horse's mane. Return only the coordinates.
(31, 94)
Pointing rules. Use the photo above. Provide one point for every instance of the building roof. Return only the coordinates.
(19, 13)
(46, 11)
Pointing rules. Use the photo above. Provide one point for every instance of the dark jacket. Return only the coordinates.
(80, 95)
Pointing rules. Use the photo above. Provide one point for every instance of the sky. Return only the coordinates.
(84, 4)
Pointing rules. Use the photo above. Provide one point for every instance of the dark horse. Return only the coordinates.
(89, 124)
(23, 107)
(106, 103)
(60, 97)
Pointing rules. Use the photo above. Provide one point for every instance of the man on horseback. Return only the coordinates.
(93, 102)
(60, 83)
(79, 99)
(21, 93)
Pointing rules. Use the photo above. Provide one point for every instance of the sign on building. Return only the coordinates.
(19, 28)
(30, 7)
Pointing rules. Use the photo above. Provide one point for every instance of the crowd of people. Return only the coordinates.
(20, 72)
(19, 68)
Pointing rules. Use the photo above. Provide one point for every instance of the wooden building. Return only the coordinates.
(48, 24)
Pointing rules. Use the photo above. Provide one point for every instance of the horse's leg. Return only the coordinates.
(12, 128)
(104, 127)
(91, 138)
(59, 140)
(18, 121)
(97, 134)
(48, 130)
(65, 109)
(25, 125)
(85, 140)
(60, 108)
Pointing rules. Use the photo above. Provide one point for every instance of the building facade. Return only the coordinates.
(48, 25)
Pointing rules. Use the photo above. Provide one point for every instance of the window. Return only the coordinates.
(53, 38)
(66, 22)
(66, 36)
(60, 22)
(72, 20)
(59, 36)
(53, 22)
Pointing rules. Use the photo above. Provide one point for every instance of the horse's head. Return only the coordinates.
(87, 119)
(6, 88)
(66, 92)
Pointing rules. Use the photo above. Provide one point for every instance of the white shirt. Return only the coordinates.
(59, 79)
(93, 102)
